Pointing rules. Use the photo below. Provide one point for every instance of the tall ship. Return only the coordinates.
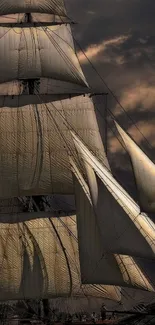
(68, 229)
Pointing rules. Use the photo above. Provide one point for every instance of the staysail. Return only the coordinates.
(144, 171)
(97, 264)
(117, 228)
(44, 113)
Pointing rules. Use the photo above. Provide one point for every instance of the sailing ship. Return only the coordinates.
(52, 150)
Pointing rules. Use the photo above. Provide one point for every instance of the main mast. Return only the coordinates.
(50, 144)
(39, 77)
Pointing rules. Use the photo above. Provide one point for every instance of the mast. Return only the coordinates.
(28, 17)
(29, 83)
(40, 76)
(50, 144)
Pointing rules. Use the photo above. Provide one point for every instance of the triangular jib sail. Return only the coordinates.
(139, 224)
(99, 265)
(144, 171)
(50, 144)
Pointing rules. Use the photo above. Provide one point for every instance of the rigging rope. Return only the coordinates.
(59, 130)
(74, 263)
(109, 89)
(70, 150)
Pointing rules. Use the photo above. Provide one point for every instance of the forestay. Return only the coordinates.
(144, 171)
(43, 52)
(124, 229)
(40, 259)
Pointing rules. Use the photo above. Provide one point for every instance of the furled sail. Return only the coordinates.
(124, 229)
(98, 266)
(144, 171)
(40, 6)
(39, 258)
(35, 142)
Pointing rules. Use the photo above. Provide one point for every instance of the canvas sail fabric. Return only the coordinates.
(38, 6)
(124, 229)
(72, 251)
(98, 265)
(43, 52)
(144, 171)
(33, 263)
(35, 142)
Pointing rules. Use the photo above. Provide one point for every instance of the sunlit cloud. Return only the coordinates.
(91, 12)
(94, 50)
(146, 130)
(143, 41)
(140, 96)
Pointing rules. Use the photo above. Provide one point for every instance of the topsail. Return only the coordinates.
(28, 13)
(24, 6)
(33, 53)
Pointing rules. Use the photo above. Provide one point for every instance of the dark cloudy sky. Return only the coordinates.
(119, 38)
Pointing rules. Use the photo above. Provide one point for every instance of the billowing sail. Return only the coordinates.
(125, 230)
(144, 171)
(98, 266)
(39, 66)
(35, 142)
(33, 53)
(43, 116)
(39, 258)
(40, 6)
